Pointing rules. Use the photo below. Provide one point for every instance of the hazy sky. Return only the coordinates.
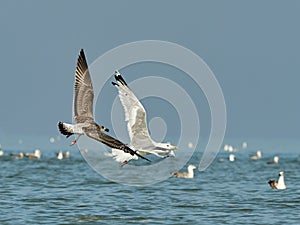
(251, 46)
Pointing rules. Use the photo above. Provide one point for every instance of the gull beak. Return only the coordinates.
(175, 147)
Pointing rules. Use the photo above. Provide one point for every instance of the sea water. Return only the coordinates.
(69, 191)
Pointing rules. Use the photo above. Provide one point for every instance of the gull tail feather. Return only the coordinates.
(65, 129)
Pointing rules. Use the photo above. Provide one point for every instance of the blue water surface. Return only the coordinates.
(69, 191)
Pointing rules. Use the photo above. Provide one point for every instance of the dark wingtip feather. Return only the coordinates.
(272, 184)
(81, 65)
(270, 181)
(114, 83)
(119, 78)
(132, 152)
(63, 130)
(141, 156)
(81, 55)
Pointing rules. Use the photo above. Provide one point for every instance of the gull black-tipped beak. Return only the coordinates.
(106, 130)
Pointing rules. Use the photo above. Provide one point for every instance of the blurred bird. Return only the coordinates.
(275, 160)
(67, 154)
(280, 185)
(59, 155)
(189, 174)
(35, 155)
(17, 156)
(231, 157)
(258, 155)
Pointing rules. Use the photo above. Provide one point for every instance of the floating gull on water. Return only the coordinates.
(135, 116)
(17, 156)
(226, 148)
(66, 154)
(229, 148)
(258, 155)
(231, 157)
(59, 155)
(83, 112)
(280, 185)
(189, 174)
(275, 160)
(1, 152)
(35, 155)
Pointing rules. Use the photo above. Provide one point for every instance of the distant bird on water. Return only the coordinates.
(59, 155)
(17, 156)
(279, 184)
(189, 174)
(275, 160)
(231, 157)
(83, 112)
(258, 155)
(66, 154)
(35, 155)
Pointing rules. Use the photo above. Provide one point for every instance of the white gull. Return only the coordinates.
(135, 116)
(279, 184)
(256, 156)
(35, 155)
(189, 174)
(17, 156)
(59, 155)
(275, 160)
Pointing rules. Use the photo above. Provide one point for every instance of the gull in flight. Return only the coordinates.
(280, 185)
(189, 174)
(83, 112)
(135, 116)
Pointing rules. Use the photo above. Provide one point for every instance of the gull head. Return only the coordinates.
(102, 128)
(281, 174)
(258, 153)
(191, 167)
(168, 146)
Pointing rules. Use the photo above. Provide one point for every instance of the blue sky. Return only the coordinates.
(251, 46)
